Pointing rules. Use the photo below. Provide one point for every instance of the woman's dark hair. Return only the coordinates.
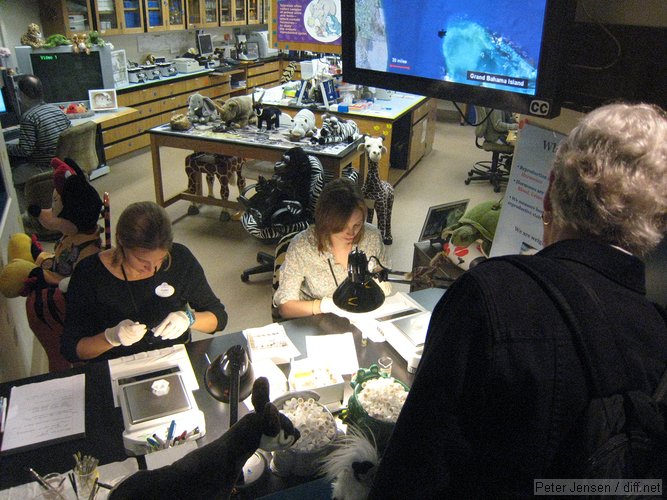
(337, 202)
(143, 224)
(31, 86)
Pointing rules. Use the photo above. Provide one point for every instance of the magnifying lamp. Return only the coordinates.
(359, 292)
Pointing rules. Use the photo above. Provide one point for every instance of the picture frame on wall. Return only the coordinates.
(103, 100)
(441, 216)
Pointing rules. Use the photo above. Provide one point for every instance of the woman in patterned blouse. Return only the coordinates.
(316, 260)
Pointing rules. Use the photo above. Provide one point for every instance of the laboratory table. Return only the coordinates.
(104, 422)
(248, 143)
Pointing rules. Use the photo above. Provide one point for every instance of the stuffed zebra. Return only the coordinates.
(335, 129)
(288, 72)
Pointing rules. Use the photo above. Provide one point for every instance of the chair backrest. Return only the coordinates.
(279, 258)
(481, 114)
(78, 143)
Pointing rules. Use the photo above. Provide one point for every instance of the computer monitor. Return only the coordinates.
(504, 55)
(204, 44)
(9, 108)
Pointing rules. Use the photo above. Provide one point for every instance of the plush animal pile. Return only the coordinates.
(335, 129)
(211, 471)
(285, 199)
(43, 277)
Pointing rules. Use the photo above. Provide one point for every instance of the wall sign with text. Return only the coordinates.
(307, 25)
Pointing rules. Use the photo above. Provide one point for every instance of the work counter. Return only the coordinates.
(104, 422)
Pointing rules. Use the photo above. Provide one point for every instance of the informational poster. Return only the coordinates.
(307, 25)
(520, 226)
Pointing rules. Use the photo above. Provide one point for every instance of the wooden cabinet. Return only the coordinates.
(116, 17)
(65, 16)
(262, 75)
(232, 12)
(203, 13)
(156, 105)
(422, 132)
(165, 15)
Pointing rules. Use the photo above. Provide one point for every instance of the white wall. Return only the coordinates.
(21, 354)
(15, 16)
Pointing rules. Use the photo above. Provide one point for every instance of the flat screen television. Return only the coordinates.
(204, 44)
(67, 77)
(504, 55)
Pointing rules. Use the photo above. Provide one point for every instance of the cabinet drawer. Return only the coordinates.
(197, 83)
(132, 144)
(174, 102)
(262, 80)
(149, 109)
(424, 109)
(264, 68)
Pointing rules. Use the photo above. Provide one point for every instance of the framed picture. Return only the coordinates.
(440, 217)
(103, 100)
(119, 67)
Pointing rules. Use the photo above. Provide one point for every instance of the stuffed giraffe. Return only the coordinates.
(379, 194)
(222, 167)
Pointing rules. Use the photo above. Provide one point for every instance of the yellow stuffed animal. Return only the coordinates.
(75, 212)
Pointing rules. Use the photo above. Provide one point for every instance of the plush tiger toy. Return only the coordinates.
(335, 129)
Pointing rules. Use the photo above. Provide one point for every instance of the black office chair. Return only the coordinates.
(496, 170)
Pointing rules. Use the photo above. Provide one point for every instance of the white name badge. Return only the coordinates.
(164, 290)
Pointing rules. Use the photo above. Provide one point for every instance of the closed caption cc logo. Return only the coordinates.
(539, 108)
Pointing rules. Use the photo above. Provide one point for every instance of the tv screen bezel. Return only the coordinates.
(545, 102)
(104, 53)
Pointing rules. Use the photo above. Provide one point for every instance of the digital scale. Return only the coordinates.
(150, 401)
(405, 330)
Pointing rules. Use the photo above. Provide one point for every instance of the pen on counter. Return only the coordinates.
(45, 484)
(104, 485)
(170, 434)
(93, 490)
(71, 480)
(159, 440)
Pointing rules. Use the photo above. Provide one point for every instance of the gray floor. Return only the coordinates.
(225, 249)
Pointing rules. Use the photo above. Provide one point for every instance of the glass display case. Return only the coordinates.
(120, 16)
(165, 15)
(232, 12)
(65, 16)
(202, 13)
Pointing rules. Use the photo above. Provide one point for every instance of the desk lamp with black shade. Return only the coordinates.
(229, 378)
(359, 292)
